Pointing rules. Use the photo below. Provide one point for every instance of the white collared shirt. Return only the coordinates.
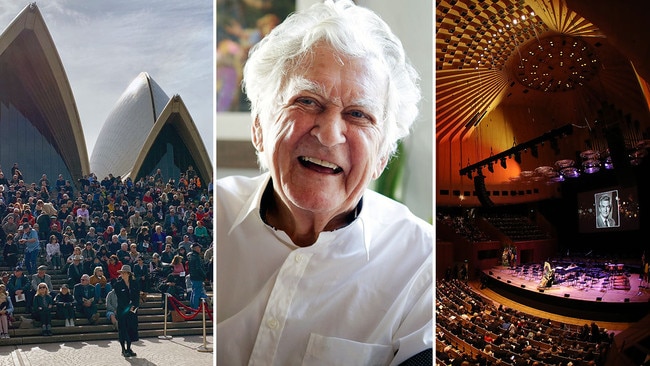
(360, 295)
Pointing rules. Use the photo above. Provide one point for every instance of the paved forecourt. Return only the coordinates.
(181, 350)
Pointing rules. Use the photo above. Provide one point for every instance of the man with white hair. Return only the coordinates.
(320, 269)
(84, 296)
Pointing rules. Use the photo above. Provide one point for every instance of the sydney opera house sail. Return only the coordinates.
(39, 123)
(146, 131)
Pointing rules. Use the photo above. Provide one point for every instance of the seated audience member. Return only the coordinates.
(65, 305)
(42, 308)
(75, 271)
(114, 265)
(84, 296)
(101, 284)
(167, 255)
(111, 308)
(41, 276)
(89, 254)
(53, 252)
(123, 254)
(19, 288)
(6, 310)
(10, 252)
(141, 273)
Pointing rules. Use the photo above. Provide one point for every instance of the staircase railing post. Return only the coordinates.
(204, 347)
(165, 336)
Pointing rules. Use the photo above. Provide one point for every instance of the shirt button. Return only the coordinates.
(272, 323)
(299, 258)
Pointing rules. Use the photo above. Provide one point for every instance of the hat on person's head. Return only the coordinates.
(18, 268)
(65, 285)
(125, 268)
(196, 245)
(190, 228)
(42, 267)
(155, 255)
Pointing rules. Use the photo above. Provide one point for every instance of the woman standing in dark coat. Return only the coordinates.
(128, 301)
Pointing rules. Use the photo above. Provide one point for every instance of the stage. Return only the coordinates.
(608, 293)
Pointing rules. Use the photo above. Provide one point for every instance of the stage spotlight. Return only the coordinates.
(518, 157)
(503, 163)
(490, 167)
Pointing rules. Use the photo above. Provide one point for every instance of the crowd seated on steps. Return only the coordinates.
(156, 218)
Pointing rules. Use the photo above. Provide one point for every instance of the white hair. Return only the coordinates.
(354, 32)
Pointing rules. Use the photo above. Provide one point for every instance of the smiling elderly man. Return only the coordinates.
(313, 267)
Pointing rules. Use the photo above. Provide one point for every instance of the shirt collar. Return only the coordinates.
(253, 206)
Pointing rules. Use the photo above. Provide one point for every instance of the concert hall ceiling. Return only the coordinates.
(508, 72)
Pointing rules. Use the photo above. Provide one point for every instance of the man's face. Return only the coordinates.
(323, 144)
(605, 208)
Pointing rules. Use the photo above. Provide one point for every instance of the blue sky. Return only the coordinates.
(104, 45)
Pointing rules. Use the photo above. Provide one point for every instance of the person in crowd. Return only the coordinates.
(80, 228)
(44, 224)
(156, 270)
(128, 302)
(183, 253)
(123, 236)
(84, 296)
(53, 250)
(331, 93)
(75, 271)
(101, 284)
(189, 231)
(158, 239)
(202, 234)
(91, 235)
(186, 243)
(6, 311)
(42, 309)
(111, 308)
(168, 254)
(84, 214)
(20, 288)
(41, 276)
(32, 247)
(197, 275)
(123, 254)
(141, 273)
(114, 244)
(135, 222)
(178, 265)
(143, 239)
(208, 258)
(75, 251)
(10, 227)
(103, 255)
(65, 305)
(133, 253)
(10, 252)
(114, 265)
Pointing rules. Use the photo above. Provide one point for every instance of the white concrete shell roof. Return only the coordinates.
(187, 132)
(127, 127)
(28, 51)
(133, 125)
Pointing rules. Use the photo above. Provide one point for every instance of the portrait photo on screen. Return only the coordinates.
(607, 214)
(615, 208)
